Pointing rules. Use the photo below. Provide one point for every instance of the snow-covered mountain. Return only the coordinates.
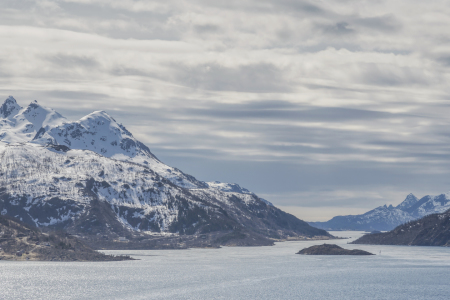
(386, 218)
(19, 124)
(93, 177)
(100, 133)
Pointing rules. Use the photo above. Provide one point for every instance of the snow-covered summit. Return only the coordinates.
(409, 201)
(100, 133)
(9, 108)
(97, 132)
(40, 116)
(19, 124)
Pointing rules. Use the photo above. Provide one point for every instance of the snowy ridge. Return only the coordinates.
(228, 187)
(386, 218)
(100, 133)
(19, 125)
(232, 188)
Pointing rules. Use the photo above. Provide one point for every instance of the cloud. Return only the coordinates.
(340, 28)
(386, 23)
(207, 28)
(389, 75)
(72, 61)
(262, 77)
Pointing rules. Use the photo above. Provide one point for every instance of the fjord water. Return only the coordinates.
(399, 272)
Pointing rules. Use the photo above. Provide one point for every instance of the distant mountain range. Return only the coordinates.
(431, 230)
(94, 179)
(385, 218)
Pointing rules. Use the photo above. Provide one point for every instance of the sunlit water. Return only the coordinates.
(399, 272)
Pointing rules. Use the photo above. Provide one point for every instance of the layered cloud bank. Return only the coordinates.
(340, 104)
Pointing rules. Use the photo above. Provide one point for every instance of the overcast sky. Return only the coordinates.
(322, 107)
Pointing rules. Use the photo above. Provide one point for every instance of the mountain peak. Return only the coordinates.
(41, 116)
(22, 124)
(97, 132)
(33, 105)
(9, 107)
(99, 114)
(409, 201)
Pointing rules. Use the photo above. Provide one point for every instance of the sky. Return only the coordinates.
(322, 107)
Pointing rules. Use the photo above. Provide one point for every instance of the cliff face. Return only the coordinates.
(432, 230)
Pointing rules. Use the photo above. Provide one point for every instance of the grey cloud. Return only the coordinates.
(207, 28)
(386, 23)
(75, 95)
(443, 60)
(262, 77)
(119, 70)
(273, 110)
(390, 75)
(71, 61)
(339, 28)
(303, 6)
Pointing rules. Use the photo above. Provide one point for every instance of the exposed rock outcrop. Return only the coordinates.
(328, 249)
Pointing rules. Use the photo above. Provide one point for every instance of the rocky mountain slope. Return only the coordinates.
(432, 230)
(19, 241)
(386, 218)
(93, 178)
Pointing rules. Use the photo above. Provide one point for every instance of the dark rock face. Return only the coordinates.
(9, 106)
(328, 249)
(432, 230)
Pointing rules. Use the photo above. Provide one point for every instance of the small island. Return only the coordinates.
(329, 249)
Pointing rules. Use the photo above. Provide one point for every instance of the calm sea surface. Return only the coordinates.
(399, 272)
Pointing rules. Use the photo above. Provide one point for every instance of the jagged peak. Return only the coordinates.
(33, 104)
(8, 107)
(409, 201)
(11, 98)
